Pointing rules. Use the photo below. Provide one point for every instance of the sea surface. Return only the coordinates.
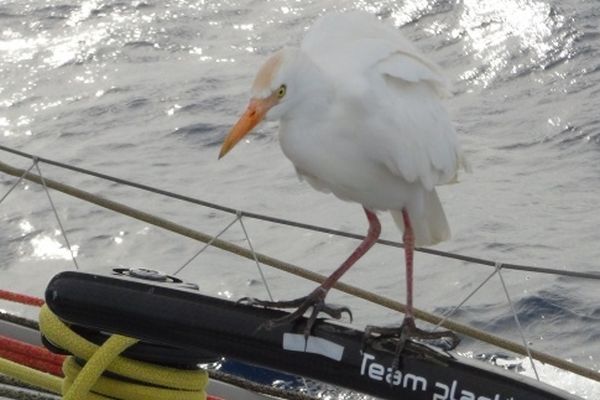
(146, 91)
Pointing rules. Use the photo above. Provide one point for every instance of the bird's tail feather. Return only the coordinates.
(429, 228)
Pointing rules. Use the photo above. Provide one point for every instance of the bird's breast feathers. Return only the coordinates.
(384, 129)
(404, 132)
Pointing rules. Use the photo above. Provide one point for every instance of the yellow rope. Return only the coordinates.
(59, 334)
(143, 380)
(94, 367)
(115, 388)
(292, 269)
(30, 375)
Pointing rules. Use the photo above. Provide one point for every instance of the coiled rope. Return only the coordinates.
(130, 379)
(156, 382)
(298, 271)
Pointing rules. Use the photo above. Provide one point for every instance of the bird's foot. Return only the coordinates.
(398, 336)
(446, 340)
(315, 301)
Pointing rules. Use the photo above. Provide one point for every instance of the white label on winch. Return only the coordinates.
(315, 345)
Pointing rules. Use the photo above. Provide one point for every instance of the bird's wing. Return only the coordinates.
(414, 137)
(396, 88)
(353, 42)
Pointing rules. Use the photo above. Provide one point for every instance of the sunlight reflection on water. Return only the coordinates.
(46, 247)
(495, 31)
(104, 84)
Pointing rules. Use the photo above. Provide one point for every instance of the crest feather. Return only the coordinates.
(264, 78)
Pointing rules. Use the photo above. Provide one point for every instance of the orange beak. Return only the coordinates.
(252, 116)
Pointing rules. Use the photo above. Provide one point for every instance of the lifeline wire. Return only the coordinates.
(210, 242)
(260, 271)
(17, 182)
(474, 260)
(301, 272)
(62, 229)
(514, 312)
(455, 309)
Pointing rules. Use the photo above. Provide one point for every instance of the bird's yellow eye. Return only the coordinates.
(281, 91)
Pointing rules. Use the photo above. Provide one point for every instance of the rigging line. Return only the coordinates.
(206, 245)
(62, 229)
(455, 309)
(123, 181)
(440, 253)
(17, 182)
(301, 272)
(520, 329)
(260, 271)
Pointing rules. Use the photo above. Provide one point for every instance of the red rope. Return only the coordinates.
(32, 356)
(21, 298)
(24, 353)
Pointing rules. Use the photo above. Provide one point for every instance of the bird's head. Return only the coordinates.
(272, 95)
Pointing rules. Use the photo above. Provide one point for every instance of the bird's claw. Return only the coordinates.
(315, 301)
(399, 336)
(446, 340)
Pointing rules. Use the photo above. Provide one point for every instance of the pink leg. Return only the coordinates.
(365, 245)
(445, 339)
(409, 246)
(316, 299)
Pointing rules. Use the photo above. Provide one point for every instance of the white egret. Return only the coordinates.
(361, 116)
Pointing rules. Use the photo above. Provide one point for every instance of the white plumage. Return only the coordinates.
(361, 116)
(374, 129)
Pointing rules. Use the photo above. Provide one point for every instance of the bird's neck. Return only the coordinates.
(301, 126)
(316, 92)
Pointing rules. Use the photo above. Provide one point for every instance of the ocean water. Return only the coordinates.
(146, 90)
